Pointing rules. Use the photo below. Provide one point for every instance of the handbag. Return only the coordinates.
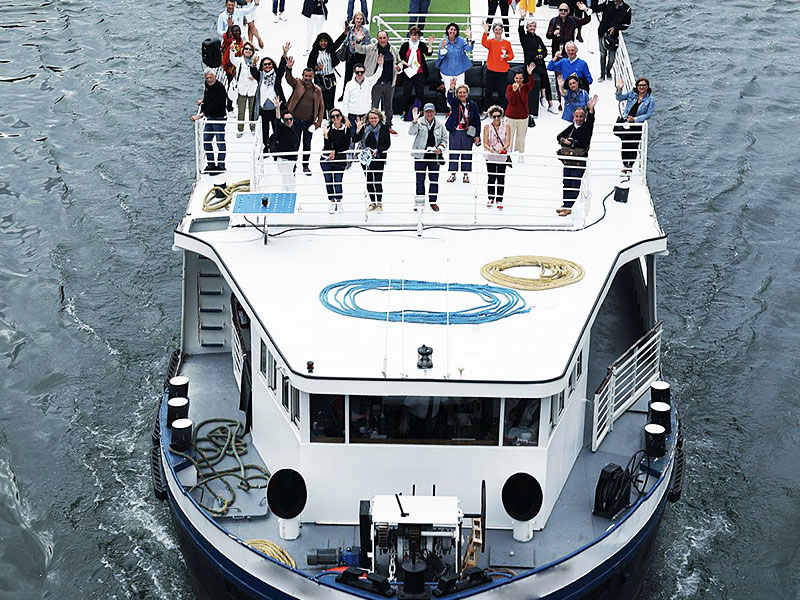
(326, 82)
(619, 129)
(570, 151)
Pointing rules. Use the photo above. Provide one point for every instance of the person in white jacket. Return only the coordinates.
(245, 83)
(357, 98)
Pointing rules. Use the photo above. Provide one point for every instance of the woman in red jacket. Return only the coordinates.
(517, 110)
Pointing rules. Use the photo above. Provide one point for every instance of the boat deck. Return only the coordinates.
(570, 526)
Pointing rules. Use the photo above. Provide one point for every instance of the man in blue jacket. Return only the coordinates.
(571, 65)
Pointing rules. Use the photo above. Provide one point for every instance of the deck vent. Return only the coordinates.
(425, 361)
(310, 366)
(177, 408)
(287, 495)
(181, 435)
(660, 414)
(655, 440)
(178, 387)
(659, 392)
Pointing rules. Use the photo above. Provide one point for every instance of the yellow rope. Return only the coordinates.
(212, 203)
(555, 272)
(272, 550)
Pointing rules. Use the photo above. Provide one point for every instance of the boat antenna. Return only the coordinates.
(402, 512)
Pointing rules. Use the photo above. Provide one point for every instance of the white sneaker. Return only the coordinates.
(379, 208)
(521, 159)
(543, 102)
(339, 206)
(238, 135)
(281, 17)
(275, 20)
(372, 206)
(552, 110)
(332, 208)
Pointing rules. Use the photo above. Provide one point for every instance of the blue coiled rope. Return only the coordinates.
(498, 302)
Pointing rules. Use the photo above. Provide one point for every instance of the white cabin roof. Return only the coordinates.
(281, 281)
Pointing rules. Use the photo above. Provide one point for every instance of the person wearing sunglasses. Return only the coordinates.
(245, 82)
(268, 96)
(357, 97)
(333, 160)
(574, 142)
(374, 135)
(562, 28)
(639, 107)
(286, 142)
(496, 141)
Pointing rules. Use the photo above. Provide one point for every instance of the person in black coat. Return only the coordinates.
(375, 136)
(323, 60)
(214, 107)
(616, 18)
(286, 141)
(333, 160)
(535, 51)
(413, 55)
(577, 136)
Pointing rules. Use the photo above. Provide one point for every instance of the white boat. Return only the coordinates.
(369, 417)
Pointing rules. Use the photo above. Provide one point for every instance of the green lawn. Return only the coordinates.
(434, 26)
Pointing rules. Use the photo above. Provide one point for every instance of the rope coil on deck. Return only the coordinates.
(213, 201)
(272, 550)
(226, 439)
(499, 302)
(555, 272)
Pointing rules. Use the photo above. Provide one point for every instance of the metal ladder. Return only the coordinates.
(212, 325)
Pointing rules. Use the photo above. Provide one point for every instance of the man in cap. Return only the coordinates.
(428, 148)
(563, 27)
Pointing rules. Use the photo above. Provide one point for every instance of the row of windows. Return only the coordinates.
(290, 396)
(424, 420)
(418, 419)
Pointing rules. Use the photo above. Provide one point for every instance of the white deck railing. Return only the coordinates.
(627, 379)
(533, 190)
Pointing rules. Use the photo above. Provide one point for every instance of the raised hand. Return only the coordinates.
(530, 68)
(286, 48)
(346, 25)
(485, 26)
(468, 32)
(290, 62)
(359, 35)
(359, 123)
(592, 101)
(380, 60)
(619, 84)
(431, 39)
(581, 5)
(415, 114)
(452, 84)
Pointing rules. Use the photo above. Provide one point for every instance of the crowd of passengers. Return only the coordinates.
(292, 98)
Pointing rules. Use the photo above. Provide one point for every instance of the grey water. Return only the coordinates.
(96, 161)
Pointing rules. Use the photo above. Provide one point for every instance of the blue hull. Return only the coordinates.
(215, 577)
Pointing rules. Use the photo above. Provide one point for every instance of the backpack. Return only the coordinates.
(212, 53)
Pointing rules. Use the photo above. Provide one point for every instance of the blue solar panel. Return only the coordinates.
(280, 202)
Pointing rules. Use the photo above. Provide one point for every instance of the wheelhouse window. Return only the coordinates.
(285, 389)
(272, 372)
(295, 405)
(556, 407)
(263, 359)
(326, 418)
(424, 420)
(521, 422)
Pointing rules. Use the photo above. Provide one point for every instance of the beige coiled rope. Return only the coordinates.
(272, 550)
(211, 202)
(555, 272)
